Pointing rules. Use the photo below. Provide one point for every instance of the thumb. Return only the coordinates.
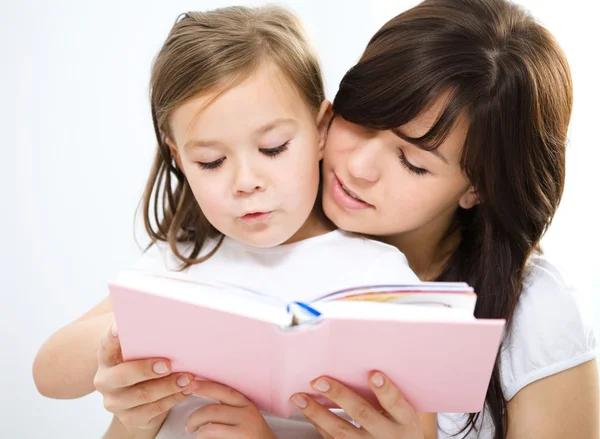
(109, 353)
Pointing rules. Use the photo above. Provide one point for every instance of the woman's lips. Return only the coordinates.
(342, 197)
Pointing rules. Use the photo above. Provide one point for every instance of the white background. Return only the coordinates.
(77, 142)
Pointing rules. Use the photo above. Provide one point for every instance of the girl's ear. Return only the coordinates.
(323, 118)
(175, 153)
(469, 199)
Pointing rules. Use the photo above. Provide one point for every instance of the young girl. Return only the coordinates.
(459, 161)
(240, 119)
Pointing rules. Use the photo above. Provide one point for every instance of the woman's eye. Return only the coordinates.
(409, 166)
(272, 152)
(212, 165)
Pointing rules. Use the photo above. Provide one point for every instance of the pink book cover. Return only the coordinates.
(438, 366)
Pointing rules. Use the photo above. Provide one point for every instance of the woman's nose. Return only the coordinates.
(362, 162)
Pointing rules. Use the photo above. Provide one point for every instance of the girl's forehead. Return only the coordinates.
(257, 105)
(265, 86)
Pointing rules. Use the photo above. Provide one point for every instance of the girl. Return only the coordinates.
(448, 141)
(240, 119)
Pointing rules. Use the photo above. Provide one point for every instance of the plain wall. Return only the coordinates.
(78, 141)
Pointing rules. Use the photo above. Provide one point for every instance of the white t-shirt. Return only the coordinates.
(550, 333)
(298, 271)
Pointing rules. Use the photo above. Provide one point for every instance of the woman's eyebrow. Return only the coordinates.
(435, 151)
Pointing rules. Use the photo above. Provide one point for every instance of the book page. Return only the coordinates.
(215, 295)
(434, 294)
(369, 310)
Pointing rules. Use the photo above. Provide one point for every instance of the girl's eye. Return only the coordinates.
(269, 152)
(212, 165)
(409, 166)
(273, 152)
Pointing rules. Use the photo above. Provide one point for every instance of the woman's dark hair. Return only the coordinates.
(509, 77)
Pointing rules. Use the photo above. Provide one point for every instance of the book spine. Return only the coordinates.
(302, 354)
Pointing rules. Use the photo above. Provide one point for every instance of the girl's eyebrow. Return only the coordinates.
(199, 143)
(274, 124)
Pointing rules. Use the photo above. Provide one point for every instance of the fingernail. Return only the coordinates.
(377, 379)
(113, 330)
(183, 381)
(160, 367)
(299, 401)
(321, 385)
(187, 392)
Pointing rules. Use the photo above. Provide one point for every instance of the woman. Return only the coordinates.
(448, 142)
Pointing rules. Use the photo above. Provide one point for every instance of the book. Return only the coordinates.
(424, 337)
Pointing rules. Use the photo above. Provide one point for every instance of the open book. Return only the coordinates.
(423, 336)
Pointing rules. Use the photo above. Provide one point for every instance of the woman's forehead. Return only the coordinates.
(421, 124)
(452, 145)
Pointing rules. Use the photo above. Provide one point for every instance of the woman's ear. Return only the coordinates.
(175, 153)
(323, 118)
(469, 199)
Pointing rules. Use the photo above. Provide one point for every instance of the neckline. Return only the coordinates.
(232, 243)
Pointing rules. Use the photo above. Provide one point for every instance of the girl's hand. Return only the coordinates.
(139, 393)
(398, 420)
(235, 417)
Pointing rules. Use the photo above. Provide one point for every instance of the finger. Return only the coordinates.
(214, 414)
(109, 353)
(148, 392)
(354, 405)
(219, 392)
(129, 373)
(142, 416)
(391, 399)
(219, 431)
(327, 423)
(322, 432)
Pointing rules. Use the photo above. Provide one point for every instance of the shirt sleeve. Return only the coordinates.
(550, 332)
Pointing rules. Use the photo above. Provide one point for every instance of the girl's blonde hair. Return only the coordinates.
(207, 52)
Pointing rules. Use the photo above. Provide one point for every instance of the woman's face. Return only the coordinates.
(375, 183)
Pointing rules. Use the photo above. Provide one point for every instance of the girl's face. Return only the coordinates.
(251, 157)
(377, 184)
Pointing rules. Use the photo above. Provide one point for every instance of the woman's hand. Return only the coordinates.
(235, 417)
(139, 393)
(398, 419)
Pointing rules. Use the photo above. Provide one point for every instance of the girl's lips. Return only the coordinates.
(256, 217)
(345, 200)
